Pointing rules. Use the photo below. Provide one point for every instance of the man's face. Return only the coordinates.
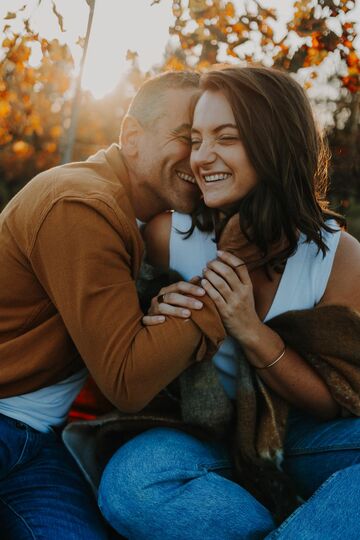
(164, 152)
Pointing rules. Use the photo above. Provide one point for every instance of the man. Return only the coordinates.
(70, 252)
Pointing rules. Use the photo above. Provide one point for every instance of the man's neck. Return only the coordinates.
(145, 203)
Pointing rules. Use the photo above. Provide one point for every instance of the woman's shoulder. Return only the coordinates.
(343, 285)
(156, 235)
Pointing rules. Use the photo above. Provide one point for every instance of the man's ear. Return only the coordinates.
(131, 131)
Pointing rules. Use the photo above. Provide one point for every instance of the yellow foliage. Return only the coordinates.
(22, 148)
(50, 147)
(55, 132)
(197, 6)
(5, 108)
(175, 64)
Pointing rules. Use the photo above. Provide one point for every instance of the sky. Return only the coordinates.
(118, 26)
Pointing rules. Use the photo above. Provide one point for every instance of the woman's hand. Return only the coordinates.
(227, 282)
(176, 300)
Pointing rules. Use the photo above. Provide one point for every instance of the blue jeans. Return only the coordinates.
(42, 493)
(168, 485)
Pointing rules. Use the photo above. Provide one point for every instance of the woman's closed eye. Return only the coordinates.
(196, 143)
(228, 138)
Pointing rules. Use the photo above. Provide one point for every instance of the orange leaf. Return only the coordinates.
(229, 9)
(5, 108)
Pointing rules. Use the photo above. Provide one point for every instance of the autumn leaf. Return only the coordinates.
(81, 42)
(229, 9)
(131, 55)
(198, 6)
(10, 15)
(4, 108)
(27, 25)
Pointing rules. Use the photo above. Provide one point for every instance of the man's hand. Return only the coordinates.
(176, 300)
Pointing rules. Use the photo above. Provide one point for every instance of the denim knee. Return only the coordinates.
(165, 480)
(137, 476)
(131, 475)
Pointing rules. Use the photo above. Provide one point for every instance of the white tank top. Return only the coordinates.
(302, 284)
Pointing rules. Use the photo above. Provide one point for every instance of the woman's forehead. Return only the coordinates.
(212, 109)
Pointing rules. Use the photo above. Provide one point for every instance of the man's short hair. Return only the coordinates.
(146, 105)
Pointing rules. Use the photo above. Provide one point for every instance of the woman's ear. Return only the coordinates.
(130, 133)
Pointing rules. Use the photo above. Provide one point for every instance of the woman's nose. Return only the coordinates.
(203, 155)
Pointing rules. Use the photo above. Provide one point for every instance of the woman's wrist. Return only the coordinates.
(250, 337)
(263, 347)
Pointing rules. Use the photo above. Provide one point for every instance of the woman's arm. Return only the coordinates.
(156, 234)
(292, 377)
(343, 287)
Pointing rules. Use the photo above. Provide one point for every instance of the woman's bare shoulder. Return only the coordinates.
(344, 283)
(157, 238)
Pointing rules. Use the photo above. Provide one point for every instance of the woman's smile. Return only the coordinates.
(216, 177)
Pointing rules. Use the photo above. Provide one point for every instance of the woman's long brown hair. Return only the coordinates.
(277, 128)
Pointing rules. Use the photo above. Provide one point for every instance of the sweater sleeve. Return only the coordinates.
(82, 258)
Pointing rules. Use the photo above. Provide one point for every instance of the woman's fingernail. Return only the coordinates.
(219, 252)
(199, 305)
(186, 313)
(200, 291)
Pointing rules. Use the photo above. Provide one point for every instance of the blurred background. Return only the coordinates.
(69, 69)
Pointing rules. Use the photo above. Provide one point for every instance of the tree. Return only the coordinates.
(33, 105)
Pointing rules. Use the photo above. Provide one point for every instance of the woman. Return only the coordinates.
(256, 156)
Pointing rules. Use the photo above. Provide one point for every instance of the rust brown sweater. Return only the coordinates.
(70, 251)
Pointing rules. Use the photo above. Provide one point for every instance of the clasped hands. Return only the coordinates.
(227, 282)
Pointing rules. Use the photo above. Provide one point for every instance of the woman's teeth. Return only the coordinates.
(216, 177)
(186, 177)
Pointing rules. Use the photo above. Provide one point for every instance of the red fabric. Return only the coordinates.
(90, 403)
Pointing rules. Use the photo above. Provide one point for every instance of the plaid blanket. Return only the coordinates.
(328, 338)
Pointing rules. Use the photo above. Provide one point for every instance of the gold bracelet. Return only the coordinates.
(274, 361)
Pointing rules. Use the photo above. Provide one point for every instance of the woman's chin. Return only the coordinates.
(212, 202)
(220, 203)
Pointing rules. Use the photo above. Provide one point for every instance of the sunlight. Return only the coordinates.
(121, 26)
(118, 26)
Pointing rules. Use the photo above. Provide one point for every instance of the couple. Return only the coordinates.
(71, 251)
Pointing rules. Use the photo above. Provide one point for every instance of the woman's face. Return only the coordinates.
(218, 158)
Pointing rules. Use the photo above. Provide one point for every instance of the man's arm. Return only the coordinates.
(81, 259)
